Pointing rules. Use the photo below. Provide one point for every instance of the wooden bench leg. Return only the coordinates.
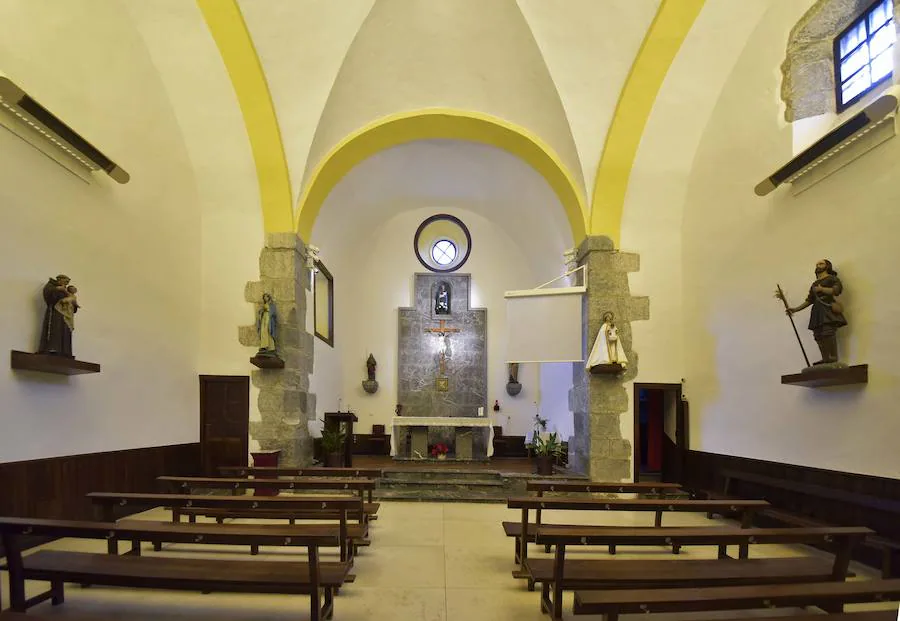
(57, 587)
(192, 518)
(135, 547)
(112, 546)
(547, 548)
(157, 546)
(612, 549)
(546, 604)
(329, 604)
(676, 549)
(517, 559)
(254, 549)
(886, 563)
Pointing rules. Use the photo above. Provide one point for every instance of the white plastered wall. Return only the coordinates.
(133, 250)
(365, 232)
(737, 246)
(655, 200)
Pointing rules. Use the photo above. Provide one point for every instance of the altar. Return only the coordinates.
(418, 428)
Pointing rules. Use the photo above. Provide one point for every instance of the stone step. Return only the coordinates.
(399, 483)
(443, 495)
(422, 474)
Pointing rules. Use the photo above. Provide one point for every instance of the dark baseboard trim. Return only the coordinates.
(703, 472)
(56, 487)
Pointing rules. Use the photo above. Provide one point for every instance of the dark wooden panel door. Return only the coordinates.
(224, 421)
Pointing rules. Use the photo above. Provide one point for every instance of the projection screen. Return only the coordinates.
(544, 327)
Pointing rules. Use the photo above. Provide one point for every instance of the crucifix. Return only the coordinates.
(444, 332)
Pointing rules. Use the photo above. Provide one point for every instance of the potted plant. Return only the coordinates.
(332, 445)
(440, 450)
(545, 447)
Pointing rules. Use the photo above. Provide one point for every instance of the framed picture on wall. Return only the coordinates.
(323, 303)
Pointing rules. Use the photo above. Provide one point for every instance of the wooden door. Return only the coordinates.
(224, 421)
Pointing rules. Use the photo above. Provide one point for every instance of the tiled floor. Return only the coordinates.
(428, 562)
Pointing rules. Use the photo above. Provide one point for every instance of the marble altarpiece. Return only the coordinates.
(442, 370)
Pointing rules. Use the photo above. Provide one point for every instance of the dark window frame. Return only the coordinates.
(863, 17)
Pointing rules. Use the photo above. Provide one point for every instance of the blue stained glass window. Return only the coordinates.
(864, 53)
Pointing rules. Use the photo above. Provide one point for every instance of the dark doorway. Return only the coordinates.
(224, 421)
(660, 432)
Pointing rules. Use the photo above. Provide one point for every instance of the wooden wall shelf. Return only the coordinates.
(613, 368)
(46, 363)
(267, 362)
(858, 374)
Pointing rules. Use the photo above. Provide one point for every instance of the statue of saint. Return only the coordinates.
(59, 317)
(267, 325)
(607, 348)
(827, 314)
(370, 367)
(442, 299)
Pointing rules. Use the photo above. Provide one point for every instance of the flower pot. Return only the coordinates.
(334, 460)
(442, 456)
(543, 464)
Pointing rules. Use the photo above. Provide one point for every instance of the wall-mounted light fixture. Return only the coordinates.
(44, 126)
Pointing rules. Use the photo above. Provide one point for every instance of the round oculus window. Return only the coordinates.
(443, 252)
(442, 243)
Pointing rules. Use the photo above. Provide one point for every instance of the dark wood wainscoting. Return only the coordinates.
(704, 471)
(56, 487)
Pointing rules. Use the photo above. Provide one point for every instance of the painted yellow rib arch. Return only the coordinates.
(227, 26)
(670, 26)
(435, 123)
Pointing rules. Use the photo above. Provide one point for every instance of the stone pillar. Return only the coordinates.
(285, 403)
(598, 402)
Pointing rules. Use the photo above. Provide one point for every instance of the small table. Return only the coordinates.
(265, 459)
(333, 420)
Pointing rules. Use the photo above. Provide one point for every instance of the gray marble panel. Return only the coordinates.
(418, 358)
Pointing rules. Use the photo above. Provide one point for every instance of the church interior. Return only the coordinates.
(449, 309)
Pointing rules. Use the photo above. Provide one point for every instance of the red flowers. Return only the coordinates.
(439, 449)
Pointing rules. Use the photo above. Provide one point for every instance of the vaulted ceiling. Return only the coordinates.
(565, 85)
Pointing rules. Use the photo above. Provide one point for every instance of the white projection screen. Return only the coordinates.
(544, 328)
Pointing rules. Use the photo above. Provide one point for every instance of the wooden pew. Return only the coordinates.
(192, 574)
(247, 471)
(864, 615)
(886, 547)
(744, 508)
(830, 596)
(558, 574)
(513, 529)
(186, 485)
(320, 507)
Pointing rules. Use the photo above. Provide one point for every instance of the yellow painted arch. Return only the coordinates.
(435, 123)
(670, 26)
(227, 26)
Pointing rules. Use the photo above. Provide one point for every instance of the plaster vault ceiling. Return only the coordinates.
(553, 67)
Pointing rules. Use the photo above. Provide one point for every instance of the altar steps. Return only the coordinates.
(448, 485)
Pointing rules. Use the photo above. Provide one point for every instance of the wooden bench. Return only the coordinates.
(559, 574)
(319, 580)
(186, 485)
(355, 532)
(644, 489)
(319, 507)
(830, 596)
(745, 509)
(247, 471)
(886, 547)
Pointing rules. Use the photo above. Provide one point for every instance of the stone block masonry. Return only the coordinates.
(597, 447)
(285, 403)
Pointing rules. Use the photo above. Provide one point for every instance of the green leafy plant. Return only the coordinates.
(332, 439)
(549, 446)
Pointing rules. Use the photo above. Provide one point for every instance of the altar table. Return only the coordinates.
(399, 422)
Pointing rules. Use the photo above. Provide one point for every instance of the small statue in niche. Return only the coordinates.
(513, 387)
(442, 299)
(59, 317)
(370, 385)
(607, 348)
(827, 314)
(267, 326)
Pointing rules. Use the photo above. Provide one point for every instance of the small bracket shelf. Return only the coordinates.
(46, 363)
(817, 378)
(267, 362)
(612, 368)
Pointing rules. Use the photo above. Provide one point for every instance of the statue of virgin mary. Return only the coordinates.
(607, 348)
(266, 324)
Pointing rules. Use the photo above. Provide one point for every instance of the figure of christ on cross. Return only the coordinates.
(444, 332)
